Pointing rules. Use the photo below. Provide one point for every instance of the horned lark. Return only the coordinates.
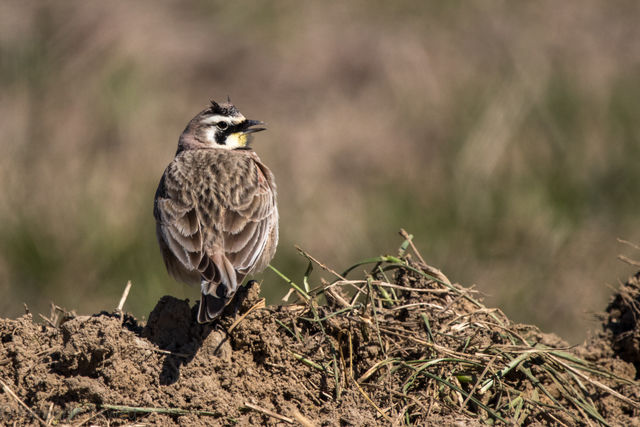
(215, 207)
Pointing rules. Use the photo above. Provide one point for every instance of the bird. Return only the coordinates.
(215, 207)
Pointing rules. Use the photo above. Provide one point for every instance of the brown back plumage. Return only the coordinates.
(216, 217)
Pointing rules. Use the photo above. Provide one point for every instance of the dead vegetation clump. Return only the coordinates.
(390, 341)
(439, 351)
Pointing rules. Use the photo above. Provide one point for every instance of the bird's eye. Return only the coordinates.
(222, 125)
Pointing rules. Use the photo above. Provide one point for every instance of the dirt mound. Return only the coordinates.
(622, 322)
(398, 345)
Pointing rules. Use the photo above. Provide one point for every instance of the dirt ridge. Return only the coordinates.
(421, 356)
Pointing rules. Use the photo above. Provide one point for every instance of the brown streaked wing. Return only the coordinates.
(178, 228)
(247, 226)
(175, 267)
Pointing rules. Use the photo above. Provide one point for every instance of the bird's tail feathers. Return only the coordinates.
(218, 293)
(211, 307)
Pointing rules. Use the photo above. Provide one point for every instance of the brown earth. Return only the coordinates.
(425, 354)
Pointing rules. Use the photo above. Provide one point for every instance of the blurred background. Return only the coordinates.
(504, 136)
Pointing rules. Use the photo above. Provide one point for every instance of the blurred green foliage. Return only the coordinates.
(504, 136)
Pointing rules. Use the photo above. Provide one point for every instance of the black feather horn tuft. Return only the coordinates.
(225, 109)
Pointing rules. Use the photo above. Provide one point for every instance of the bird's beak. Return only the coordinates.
(248, 126)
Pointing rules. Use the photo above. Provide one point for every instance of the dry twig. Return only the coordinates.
(269, 413)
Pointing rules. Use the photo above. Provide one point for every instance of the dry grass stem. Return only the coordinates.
(124, 296)
(301, 419)
(147, 410)
(256, 306)
(629, 261)
(269, 413)
(628, 243)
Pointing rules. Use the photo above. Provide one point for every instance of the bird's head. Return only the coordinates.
(219, 126)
